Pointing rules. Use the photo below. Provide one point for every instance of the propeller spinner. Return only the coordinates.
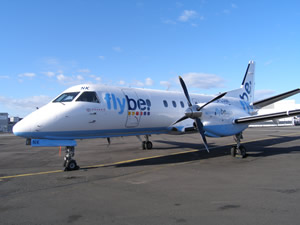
(194, 111)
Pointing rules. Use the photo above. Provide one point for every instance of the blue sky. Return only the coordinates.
(48, 46)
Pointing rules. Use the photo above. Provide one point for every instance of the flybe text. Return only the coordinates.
(116, 103)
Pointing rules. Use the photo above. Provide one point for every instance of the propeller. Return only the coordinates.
(194, 111)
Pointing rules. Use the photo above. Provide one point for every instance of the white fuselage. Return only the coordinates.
(128, 111)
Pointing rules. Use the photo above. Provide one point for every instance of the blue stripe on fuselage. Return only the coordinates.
(87, 134)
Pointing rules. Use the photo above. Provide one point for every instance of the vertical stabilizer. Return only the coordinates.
(246, 92)
(248, 83)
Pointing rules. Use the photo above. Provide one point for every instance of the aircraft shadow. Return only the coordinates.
(254, 149)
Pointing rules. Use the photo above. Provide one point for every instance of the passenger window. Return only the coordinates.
(88, 96)
(165, 103)
(174, 104)
(66, 97)
(182, 104)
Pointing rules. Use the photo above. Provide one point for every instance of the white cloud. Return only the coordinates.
(84, 71)
(166, 84)
(4, 77)
(122, 82)
(96, 78)
(269, 62)
(262, 94)
(27, 75)
(49, 74)
(168, 21)
(79, 77)
(69, 80)
(234, 6)
(187, 15)
(148, 81)
(28, 104)
(101, 57)
(117, 49)
(61, 77)
(138, 83)
(203, 81)
(52, 61)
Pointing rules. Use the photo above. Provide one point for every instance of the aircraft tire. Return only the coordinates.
(71, 165)
(238, 153)
(233, 151)
(149, 145)
(144, 146)
(243, 151)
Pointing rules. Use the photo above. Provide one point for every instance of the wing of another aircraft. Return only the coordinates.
(276, 98)
(271, 116)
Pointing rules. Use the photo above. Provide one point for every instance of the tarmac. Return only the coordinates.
(177, 182)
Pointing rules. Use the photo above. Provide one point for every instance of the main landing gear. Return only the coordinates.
(238, 150)
(146, 144)
(69, 163)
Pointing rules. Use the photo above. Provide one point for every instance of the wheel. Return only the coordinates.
(233, 151)
(149, 145)
(243, 151)
(71, 165)
(238, 152)
(144, 146)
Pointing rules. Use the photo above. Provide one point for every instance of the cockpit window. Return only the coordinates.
(66, 97)
(88, 96)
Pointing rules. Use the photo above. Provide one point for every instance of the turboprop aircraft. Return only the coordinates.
(97, 111)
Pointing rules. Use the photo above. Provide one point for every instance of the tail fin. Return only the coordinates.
(246, 91)
(248, 83)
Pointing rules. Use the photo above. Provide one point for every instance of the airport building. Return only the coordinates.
(6, 123)
(284, 105)
(3, 122)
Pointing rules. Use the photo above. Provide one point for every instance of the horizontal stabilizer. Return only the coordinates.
(271, 116)
(271, 100)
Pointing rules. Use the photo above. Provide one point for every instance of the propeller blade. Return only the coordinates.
(185, 91)
(201, 131)
(181, 119)
(214, 99)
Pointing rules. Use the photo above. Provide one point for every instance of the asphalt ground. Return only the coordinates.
(177, 182)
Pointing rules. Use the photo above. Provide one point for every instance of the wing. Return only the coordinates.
(271, 116)
(271, 100)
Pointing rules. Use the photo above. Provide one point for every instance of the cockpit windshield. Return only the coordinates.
(88, 96)
(66, 97)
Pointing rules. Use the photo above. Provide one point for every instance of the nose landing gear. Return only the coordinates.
(69, 163)
(238, 150)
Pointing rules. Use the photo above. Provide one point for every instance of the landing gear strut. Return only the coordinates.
(69, 163)
(238, 150)
(147, 144)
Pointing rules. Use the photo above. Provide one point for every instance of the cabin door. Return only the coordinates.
(133, 111)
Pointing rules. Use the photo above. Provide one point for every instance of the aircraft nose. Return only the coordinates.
(22, 128)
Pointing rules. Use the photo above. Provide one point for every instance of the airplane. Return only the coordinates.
(99, 111)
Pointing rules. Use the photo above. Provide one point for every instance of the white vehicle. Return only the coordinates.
(93, 111)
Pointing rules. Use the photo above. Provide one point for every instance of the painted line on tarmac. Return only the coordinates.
(135, 160)
(31, 174)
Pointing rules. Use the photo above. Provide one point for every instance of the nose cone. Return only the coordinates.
(22, 128)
